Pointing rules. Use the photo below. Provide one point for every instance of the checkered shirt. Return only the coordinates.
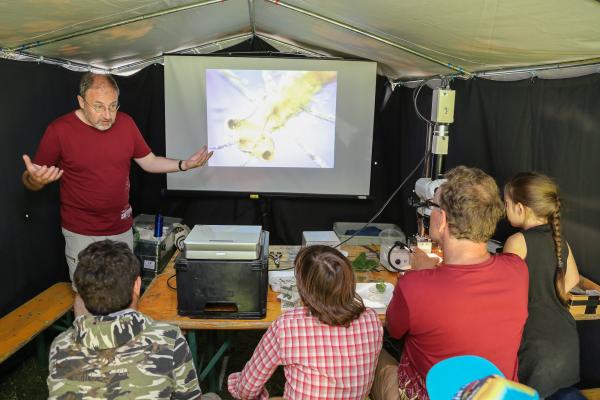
(320, 361)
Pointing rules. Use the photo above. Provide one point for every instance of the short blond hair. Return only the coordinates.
(471, 200)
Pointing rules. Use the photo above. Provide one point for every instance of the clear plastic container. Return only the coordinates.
(340, 229)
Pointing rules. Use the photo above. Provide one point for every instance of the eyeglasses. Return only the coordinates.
(431, 203)
(101, 109)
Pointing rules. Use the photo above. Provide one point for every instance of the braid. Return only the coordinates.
(559, 277)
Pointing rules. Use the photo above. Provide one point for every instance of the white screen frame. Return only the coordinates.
(185, 117)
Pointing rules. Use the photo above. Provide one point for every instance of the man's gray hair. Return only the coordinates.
(87, 81)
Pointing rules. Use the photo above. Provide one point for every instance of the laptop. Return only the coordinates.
(223, 242)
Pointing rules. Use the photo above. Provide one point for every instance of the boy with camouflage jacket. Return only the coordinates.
(113, 351)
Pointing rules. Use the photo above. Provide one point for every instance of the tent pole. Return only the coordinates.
(21, 55)
(539, 68)
(592, 62)
(39, 43)
(299, 49)
(370, 35)
(184, 51)
(252, 15)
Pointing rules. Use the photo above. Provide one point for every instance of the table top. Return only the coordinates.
(160, 302)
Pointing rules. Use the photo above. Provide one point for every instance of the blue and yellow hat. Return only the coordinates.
(473, 378)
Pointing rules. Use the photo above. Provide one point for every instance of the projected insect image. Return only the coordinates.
(267, 118)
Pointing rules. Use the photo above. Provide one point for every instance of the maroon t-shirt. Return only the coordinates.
(94, 188)
(457, 310)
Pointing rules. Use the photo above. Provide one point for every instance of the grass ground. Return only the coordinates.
(22, 378)
(26, 380)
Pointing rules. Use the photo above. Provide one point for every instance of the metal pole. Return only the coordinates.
(39, 43)
(370, 35)
(252, 15)
(524, 70)
(293, 46)
(184, 51)
(427, 162)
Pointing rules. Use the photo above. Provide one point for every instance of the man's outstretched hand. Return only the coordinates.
(198, 159)
(36, 176)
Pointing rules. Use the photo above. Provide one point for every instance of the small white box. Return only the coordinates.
(326, 238)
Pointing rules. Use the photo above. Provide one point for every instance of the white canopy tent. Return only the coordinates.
(409, 39)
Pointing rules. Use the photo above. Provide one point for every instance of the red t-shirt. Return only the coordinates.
(94, 188)
(457, 310)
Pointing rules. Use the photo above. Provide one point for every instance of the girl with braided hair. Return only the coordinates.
(549, 352)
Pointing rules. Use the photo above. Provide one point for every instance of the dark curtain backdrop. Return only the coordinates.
(501, 127)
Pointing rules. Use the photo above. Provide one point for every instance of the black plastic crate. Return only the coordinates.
(228, 289)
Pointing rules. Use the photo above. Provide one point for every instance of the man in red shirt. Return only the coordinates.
(91, 150)
(473, 303)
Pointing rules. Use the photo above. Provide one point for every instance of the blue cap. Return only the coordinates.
(473, 377)
(447, 377)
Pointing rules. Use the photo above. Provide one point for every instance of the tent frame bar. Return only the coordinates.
(184, 51)
(213, 43)
(538, 68)
(83, 32)
(21, 55)
(370, 35)
(300, 49)
(252, 15)
(532, 70)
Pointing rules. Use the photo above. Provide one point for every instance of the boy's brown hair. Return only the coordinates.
(327, 285)
(105, 275)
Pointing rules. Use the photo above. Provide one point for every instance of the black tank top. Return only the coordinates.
(549, 353)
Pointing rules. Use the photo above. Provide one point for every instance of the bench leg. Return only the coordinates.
(41, 350)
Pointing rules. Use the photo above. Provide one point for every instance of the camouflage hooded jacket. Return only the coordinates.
(122, 356)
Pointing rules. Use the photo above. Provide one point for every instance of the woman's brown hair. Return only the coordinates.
(540, 193)
(326, 285)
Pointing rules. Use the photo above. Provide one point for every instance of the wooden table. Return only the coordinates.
(160, 302)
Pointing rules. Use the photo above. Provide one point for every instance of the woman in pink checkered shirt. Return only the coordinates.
(328, 348)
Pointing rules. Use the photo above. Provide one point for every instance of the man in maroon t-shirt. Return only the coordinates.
(473, 303)
(91, 150)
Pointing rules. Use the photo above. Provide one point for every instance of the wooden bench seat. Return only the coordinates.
(26, 322)
(591, 394)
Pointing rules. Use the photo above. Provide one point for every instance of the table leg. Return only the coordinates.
(191, 338)
(208, 371)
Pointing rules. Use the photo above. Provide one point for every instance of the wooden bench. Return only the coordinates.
(591, 394)
(26, 322)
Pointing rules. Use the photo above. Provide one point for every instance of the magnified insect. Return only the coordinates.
(271, 118)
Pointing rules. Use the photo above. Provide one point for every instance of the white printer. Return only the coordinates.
(223, 272)
(223, 242)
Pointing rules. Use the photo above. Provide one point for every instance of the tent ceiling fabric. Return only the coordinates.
(408, 39)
